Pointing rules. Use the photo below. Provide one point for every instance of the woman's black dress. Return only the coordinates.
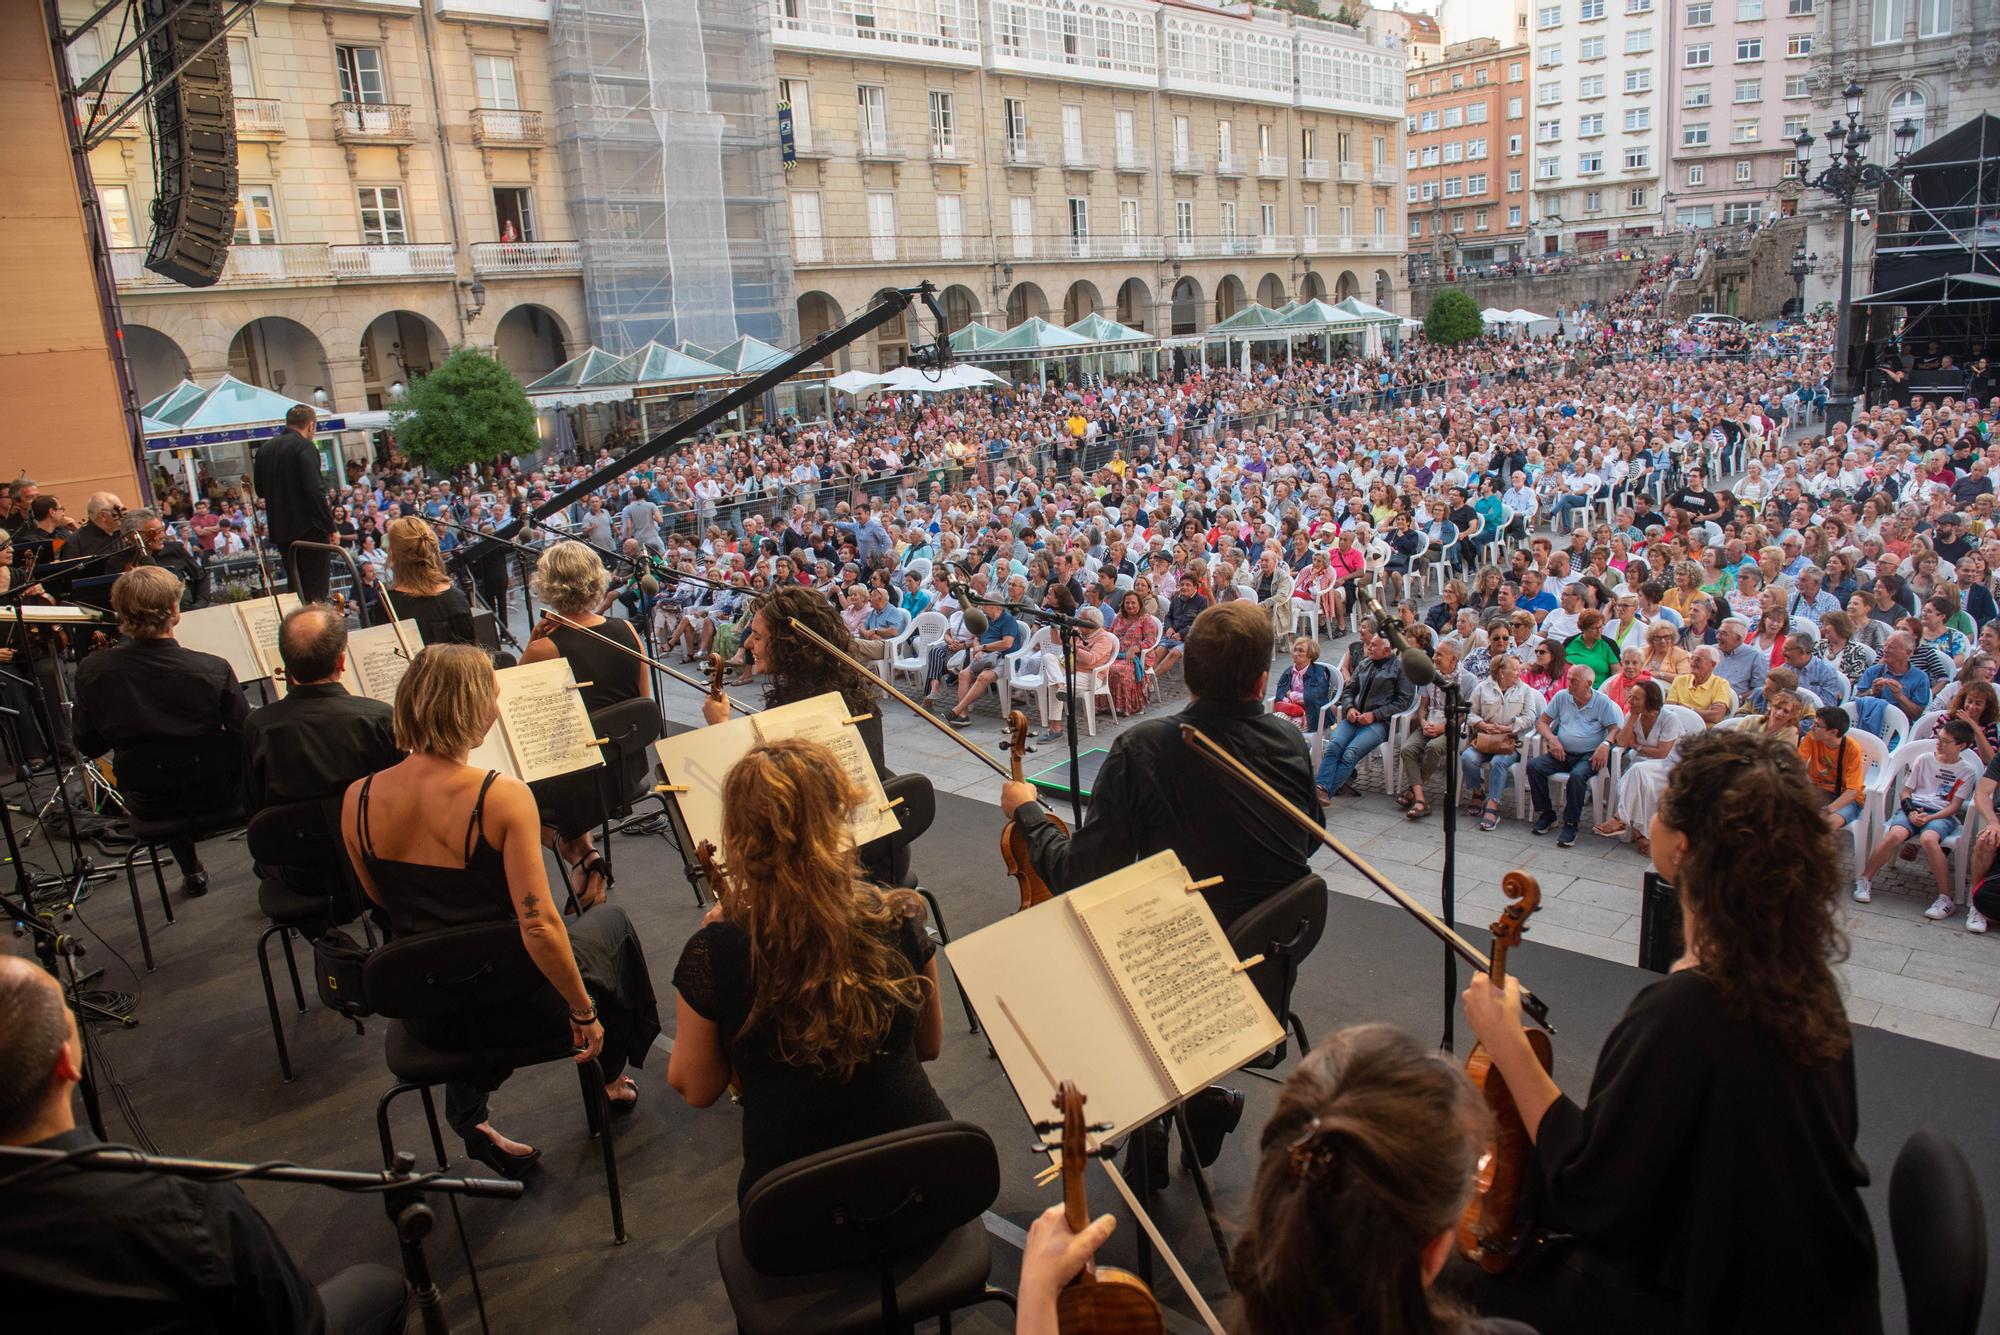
(574, 803)
(421, 897)
(442, 618)
(1710, 1184)
(790, 1111)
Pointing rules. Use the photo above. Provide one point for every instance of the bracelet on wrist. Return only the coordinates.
(587, 1016)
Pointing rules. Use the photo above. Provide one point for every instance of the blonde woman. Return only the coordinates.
(570, 581)
(420, 590)
(439, 844)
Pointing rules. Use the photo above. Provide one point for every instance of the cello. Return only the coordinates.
(1489, 1232)
(1014, 849)
(1100, 1300)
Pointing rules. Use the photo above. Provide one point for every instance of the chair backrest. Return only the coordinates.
(1283, 929)
(629, 729)
(920, 567)
(919, 807)
(869, 1202)
(930, 628)
(183, 778)
(1895, 728)
(1690, 721)
(1926, 727)
(304, 837)
(1810, 697)
(1874, 752)
(1938, 1222)
(451, 971)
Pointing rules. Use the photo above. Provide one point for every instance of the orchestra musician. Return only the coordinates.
(99, 535)
(168, 554)
(1364, 1170)
(1154, 793)
(421, 591)
(816, 992)
(1711, 1181)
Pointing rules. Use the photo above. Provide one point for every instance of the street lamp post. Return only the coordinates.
(1847, 176)
(1802, 264)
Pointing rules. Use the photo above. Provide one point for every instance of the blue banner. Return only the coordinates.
(788, 148)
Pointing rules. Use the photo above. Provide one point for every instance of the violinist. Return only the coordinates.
(1711, 1182)
(1363, 1172)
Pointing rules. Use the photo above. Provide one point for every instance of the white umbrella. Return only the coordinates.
(856, 382)
(963, 376)
(910, 380)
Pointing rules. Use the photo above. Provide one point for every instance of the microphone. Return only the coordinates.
(976, 619)
(1417, 664)
(648, 585)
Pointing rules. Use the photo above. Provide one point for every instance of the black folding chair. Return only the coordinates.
(1283, 929)
(917, 813)
(176, 788)
(873, 1236)
(1938, 1222)
(629, 729)
(472, 974)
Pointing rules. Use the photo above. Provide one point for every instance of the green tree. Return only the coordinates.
(1452, 319)
(466, 411)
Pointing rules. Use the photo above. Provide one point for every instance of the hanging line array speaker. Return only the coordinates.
(194, 214)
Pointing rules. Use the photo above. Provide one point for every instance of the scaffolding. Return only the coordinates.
(666, 127)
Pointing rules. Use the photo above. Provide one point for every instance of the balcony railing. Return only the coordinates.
(1022, 153)
(1312, 169)
(372, 123)
(506, 125)
(854, 251)
(1213, 247)
(1272, 168)
(1189, 163)
(889, 148)
(1130, 159)
(505, 257)
(433, 260)
(948, 148)
(247, 266)
(1229, 164)
(1275, 244)
(1350, 171)
(264, 116)
(1384, 174)
(1079, 158)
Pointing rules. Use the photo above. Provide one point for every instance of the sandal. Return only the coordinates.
(1405, 799)
(593, 865)
(1491, 820)
(1610, 829)
(622, 1106)
(1418, 809)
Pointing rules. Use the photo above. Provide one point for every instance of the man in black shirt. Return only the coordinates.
(287, 477)
(168, 554)
(150, 689)
(1695, 499)
(92, 1250)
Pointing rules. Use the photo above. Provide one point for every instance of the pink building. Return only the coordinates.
(1736, 95)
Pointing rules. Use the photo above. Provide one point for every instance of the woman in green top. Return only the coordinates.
(1591, 647)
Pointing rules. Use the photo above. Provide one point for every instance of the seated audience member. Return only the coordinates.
(1895, 681)
(438, 844)
(1814, 673)
(1095, 647)
(1739, 662)
(1363, 1172)
(1501, 714)
(1651, 737)
(1373, 694)
(1576, 725)
(1591, 647)
(1665, 659)
(1002, 636)
(421, 591)
(101, 1251)
(150, 689)
(1701, 688)
(1781, 716)
(318, 738)
(1547, 669)
(1304, 687)
(1137, 634)
(816, 991)
(570, 578)
(1423, 747)
(1930, 808)
(1835, 765)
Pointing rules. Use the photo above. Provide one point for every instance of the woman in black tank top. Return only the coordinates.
(439, 845)
(570, 578)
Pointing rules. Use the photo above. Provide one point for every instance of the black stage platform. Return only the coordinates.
(203, 1075)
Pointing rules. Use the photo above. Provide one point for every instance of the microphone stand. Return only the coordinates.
(402, 1190)
(459, 554)
(1066, 627)
(1419, 668)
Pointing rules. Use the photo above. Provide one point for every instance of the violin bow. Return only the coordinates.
(1531, 1005)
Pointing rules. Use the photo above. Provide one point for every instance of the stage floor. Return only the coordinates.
(201, 1071)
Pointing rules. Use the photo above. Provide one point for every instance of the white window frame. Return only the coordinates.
(391, 226)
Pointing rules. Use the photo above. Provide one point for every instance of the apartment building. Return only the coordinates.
(1161, 163)
(398, 197)
(1465, 159)
(1739, 93)
(1595, 121)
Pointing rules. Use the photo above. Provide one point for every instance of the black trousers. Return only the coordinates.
(1566, 1289)
(365, 1299)
(308, 570)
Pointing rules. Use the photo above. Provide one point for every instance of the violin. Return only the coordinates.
(716, 668)
(47, 637)
(1490, 1232)
(711, 868)
(1014, 849)
(1100, 1300)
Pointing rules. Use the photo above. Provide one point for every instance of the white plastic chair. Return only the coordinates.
(1895, 728)
(1316, 739)
(1491, 542)
(1025, 674)
(921, 568)
(911, 653)
(1927, 726)
(1305, 616)
(1809, 697)
(1600, 783)
(1874, 772)
(1391, 751)
(885, 666)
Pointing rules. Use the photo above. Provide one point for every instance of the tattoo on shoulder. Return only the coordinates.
(529, 909)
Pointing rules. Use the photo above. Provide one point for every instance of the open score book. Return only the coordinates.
(245, 635)
(1127, 985)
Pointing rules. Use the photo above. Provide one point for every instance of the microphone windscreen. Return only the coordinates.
(976, 620)
(649, 586)
(1418, 667)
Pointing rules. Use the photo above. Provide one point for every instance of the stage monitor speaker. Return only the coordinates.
(1660, 927)
(194, 214)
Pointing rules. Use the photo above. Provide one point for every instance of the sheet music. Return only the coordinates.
(699, 759)
(261, 619)
(375, 657)
(492, 753)
(548, 729)
(1168, 957)
(219, 630)
(823, 719)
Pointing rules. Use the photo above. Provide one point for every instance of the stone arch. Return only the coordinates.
(530, 341)
(1026, 301)
(1135, 304)
(1271, 291)
(1189, 311)
(818, 313)
(396, 347)
(280, 354)
(1081, 300)
(961, 307)
(1348, 286)
(158, 364)
(1312, 287)
(1230, 296)
(1385, 289)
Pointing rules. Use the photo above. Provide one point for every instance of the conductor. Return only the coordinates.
(287, 477)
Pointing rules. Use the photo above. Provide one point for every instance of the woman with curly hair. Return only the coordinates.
(1710, 1182)
(816, 992)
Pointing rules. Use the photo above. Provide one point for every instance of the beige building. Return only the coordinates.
(1163, 164)
(399, 195)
